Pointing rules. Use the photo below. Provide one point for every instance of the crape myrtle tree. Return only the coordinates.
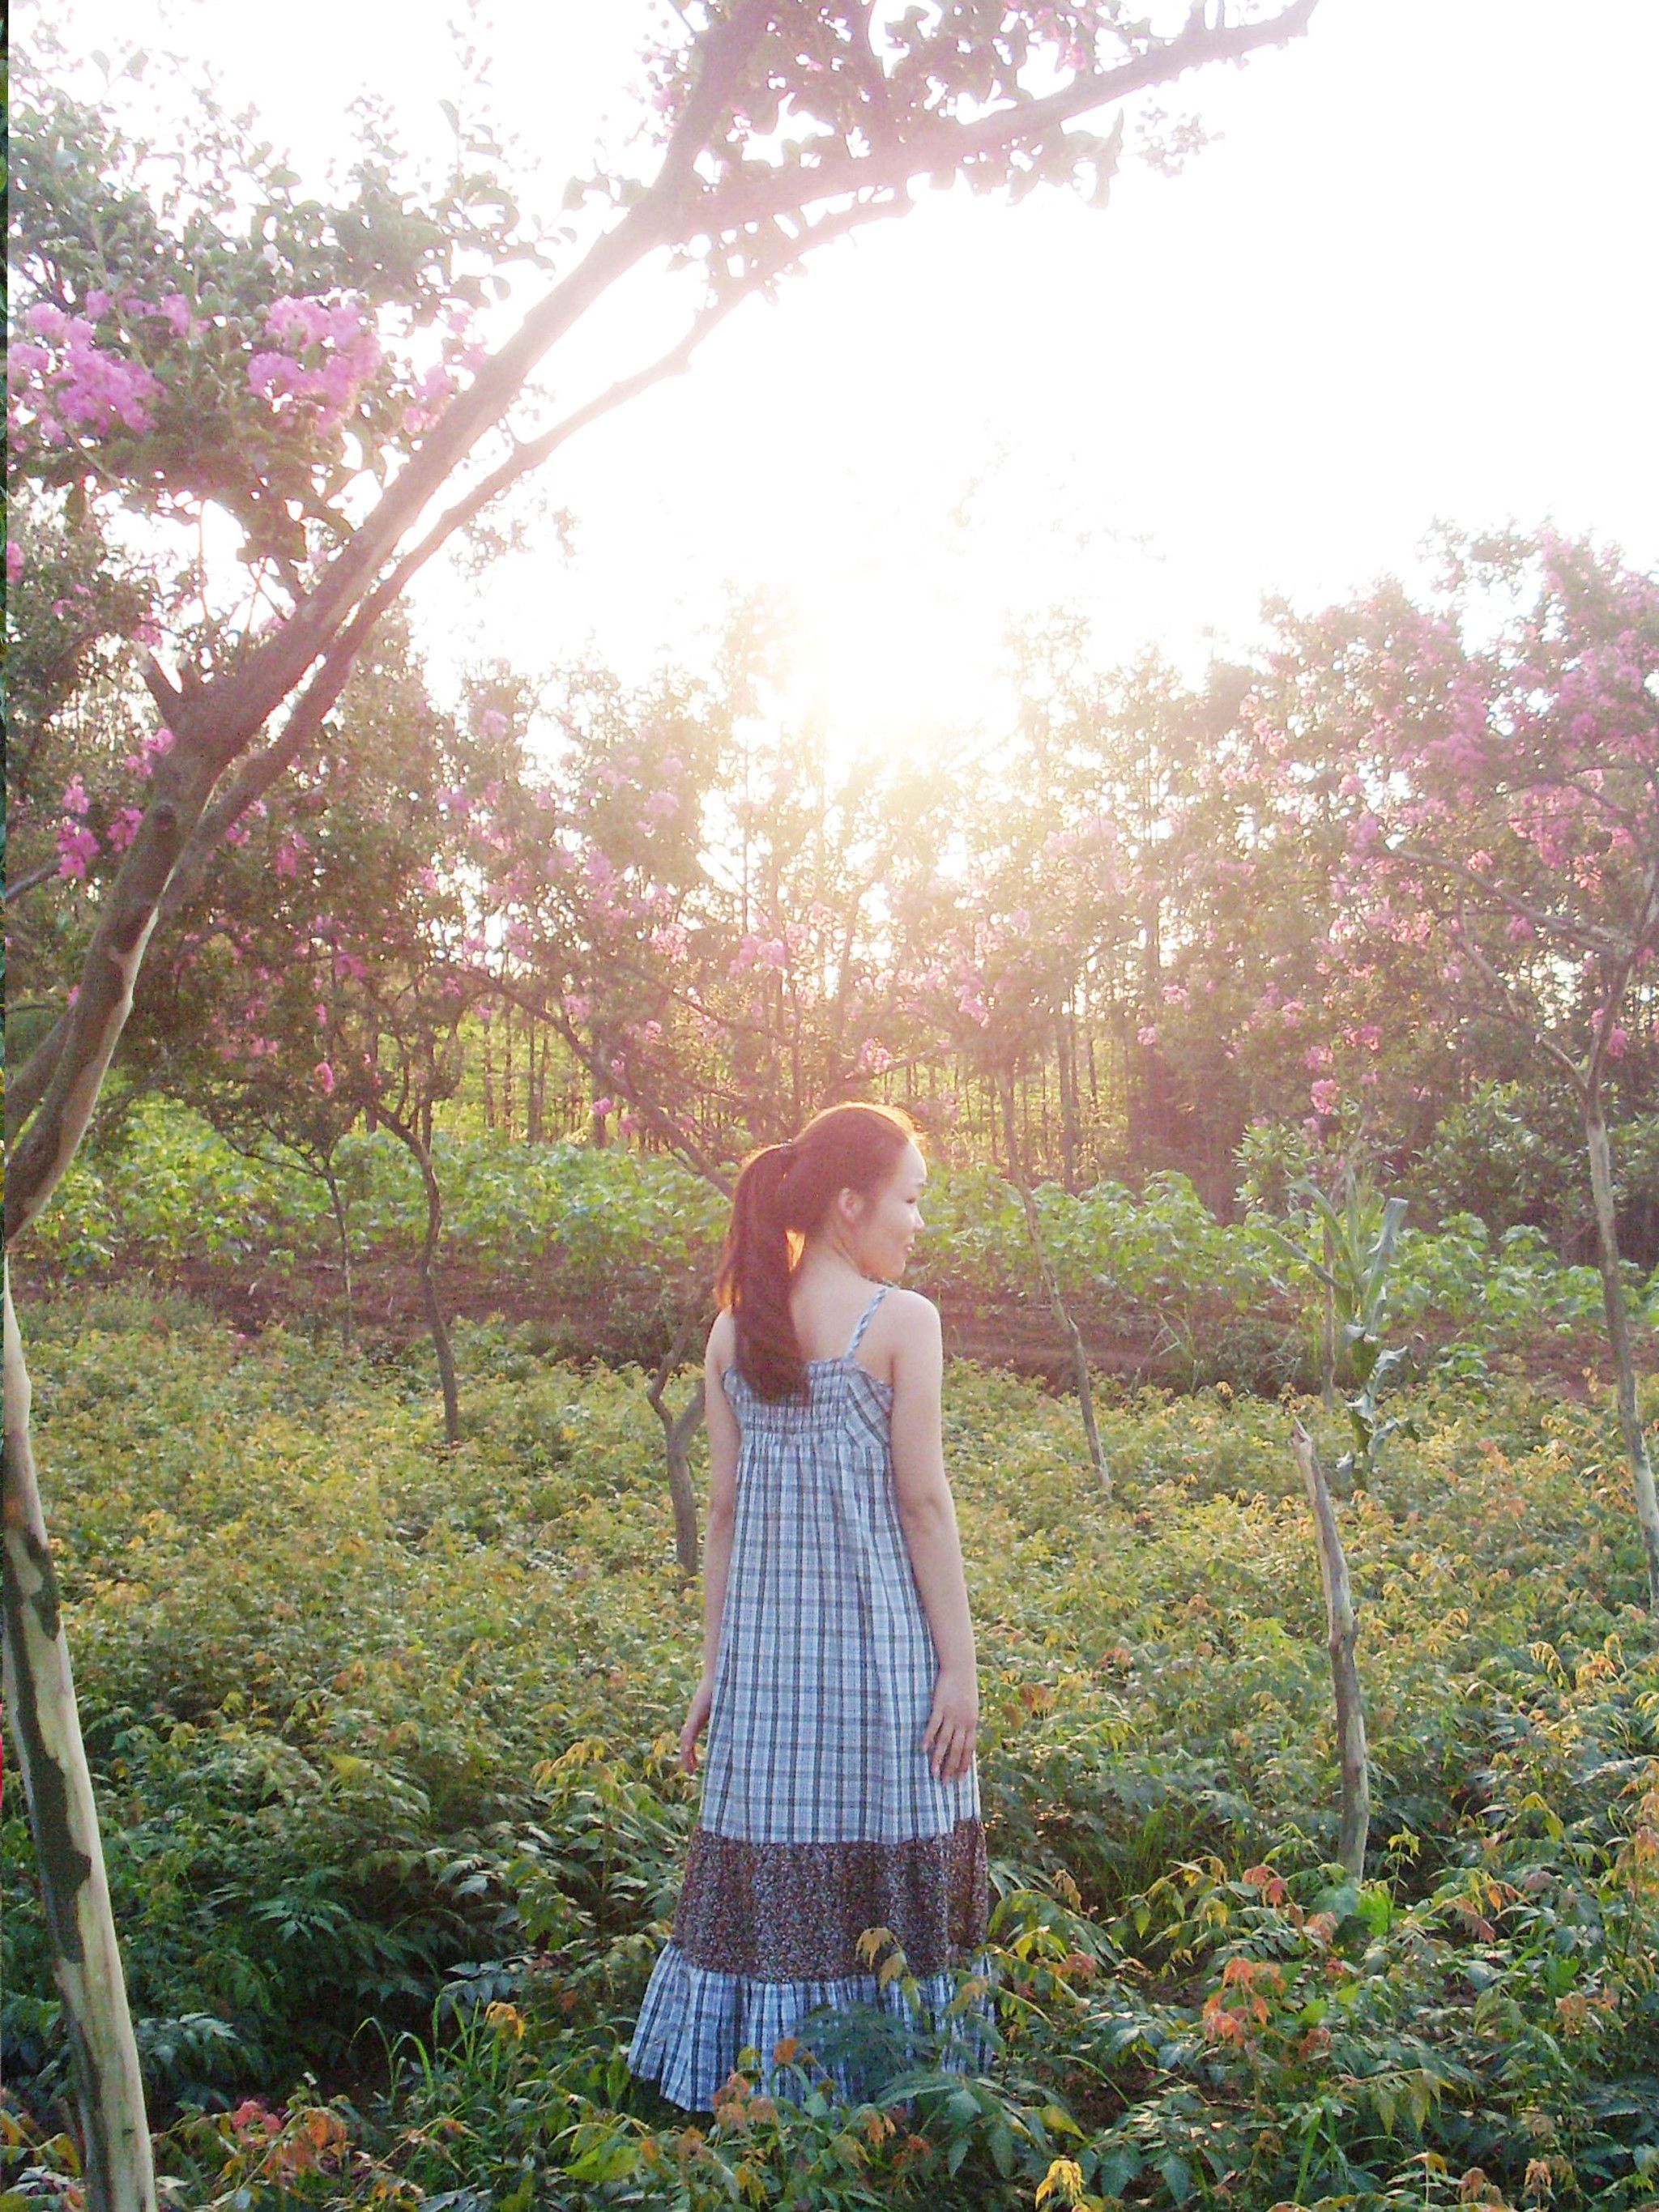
(1467, 781)
(318, 983)
(217, 343)
(699, 902)
(989, 954)
(1516, 817)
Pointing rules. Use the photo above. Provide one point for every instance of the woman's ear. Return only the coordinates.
(850, 1205)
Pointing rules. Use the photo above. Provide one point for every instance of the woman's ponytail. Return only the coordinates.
(783, 1194)
(754, 1275)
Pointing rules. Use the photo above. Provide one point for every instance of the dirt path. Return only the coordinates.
(1250, 1353)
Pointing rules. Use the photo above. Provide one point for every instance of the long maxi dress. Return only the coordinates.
(821, 1816)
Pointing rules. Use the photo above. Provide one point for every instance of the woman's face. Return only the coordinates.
(886, 1227)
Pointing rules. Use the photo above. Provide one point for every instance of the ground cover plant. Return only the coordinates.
(609, 1236)
(384, 1735)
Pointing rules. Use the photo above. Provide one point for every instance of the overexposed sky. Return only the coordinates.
(1414, 279)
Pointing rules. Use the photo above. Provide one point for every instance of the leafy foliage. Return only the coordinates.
(386, 1736)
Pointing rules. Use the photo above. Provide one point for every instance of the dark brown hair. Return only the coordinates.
(783, 1193)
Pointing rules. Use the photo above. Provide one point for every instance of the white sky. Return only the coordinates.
(1414, 279)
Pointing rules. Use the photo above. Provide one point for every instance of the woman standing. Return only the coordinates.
(838, 1684)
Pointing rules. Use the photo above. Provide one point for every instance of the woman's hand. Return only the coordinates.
(701, 1699)
(952, 1725)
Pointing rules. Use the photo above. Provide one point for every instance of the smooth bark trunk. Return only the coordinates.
(678, 1429)
(40, 1692)
(1624, 1364)
(1342, 1634)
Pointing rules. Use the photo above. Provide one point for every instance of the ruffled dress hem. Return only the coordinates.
(695, 2023)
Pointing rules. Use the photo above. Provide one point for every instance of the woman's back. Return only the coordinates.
(826, 1668)
(840, 1793)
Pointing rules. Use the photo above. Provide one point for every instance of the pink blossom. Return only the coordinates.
(1146, 1034)
(306, 320)
(1618, 1042)
(874, 1057)
(76, 846)
(578, 1007)
(349, 969)
(325, 1075)
(125, 826)
(75, 797)
(13, 562)
(97, 304)
(492, 723)
(270, 375)
(45, 319)
(604, 1106)
(1325, 1095)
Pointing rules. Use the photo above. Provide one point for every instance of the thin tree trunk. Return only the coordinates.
(535, 1078)
(347, 1327)
(45, 1727)
(1623, 1366)
(419, 1146)
(1065, 1042)
(1341, 1633)
(678, 1429)
(1328, 1328)
(1057, 1305)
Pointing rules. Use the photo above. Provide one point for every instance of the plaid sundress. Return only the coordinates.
(820, 1816)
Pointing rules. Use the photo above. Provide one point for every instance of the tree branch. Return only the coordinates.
(948, 145)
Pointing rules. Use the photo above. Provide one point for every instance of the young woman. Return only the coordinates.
(838, 1687)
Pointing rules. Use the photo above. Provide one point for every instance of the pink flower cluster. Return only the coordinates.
(323, 355)
(430, 393)
(68, 382)
(760, 952)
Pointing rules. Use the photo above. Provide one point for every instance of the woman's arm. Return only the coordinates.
(723, 1438)
(927, 1514)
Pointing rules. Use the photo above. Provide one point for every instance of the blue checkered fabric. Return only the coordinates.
(823, 1683)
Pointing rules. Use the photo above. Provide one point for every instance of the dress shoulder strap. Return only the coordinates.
(865, 1319)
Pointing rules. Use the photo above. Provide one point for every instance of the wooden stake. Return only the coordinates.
(1342, 1632)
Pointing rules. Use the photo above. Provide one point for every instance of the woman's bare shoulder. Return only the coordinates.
(909, 1319)
(723, 1339)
